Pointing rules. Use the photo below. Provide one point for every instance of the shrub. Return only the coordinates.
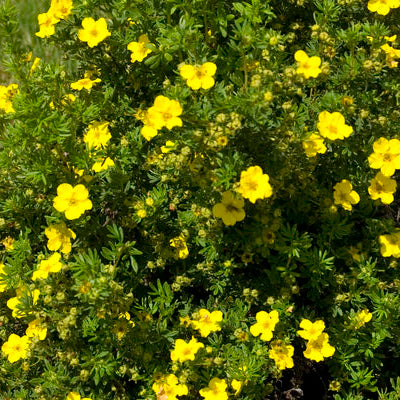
(198, 200)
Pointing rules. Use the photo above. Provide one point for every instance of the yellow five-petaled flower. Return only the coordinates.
(73, 201)
(93, 32)
(199, 76)
(308, 66)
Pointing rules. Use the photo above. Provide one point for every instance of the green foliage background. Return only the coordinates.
(304, 271)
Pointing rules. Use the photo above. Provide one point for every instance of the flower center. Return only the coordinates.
(387, 157)
(230, 208)
(94, 32)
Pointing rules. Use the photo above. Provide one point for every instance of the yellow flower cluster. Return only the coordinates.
(164, 113)
(6, 95)
(97, 138)
(318, 347)
(386, 157)
(59, 9)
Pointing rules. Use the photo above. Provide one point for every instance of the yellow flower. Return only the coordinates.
(35, 64)
(390, 38)
(382, 187)
(35, 328)
(382, 7)
(230, 209)
(76, 396)
(254, 184)
(72, 200)
(52, 264)
(345, 195)
(362, 318)
(14, 302)
(46, 24)
(314, 144)
(97, 135)
(185, 351)
(60, 8)
(167, 387)
(207, 322)
(127, 316)
(139, 49)
(311, 330)
(185, 321)
(333, 126)
(319, 348)
(386, 156)
(179, 243)
(103, 165)
(68, 98)
(141, 213)
(199, 76)
(308, 66)
(265, 324)
(391, 55)
(390, 245)
(165, 112)
(3, 285)
(16, 347)
(334, 386)
(59, 237)
(216, 390)
(93, 32)
(8, 243)
(169, 145)
(6, 95)
(282, 354)
(355, 253)
(237, 386)
(85, 83)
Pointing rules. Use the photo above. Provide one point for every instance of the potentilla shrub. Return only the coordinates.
(198, 200)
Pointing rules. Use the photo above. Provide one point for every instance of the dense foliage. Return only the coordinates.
(198, 200)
